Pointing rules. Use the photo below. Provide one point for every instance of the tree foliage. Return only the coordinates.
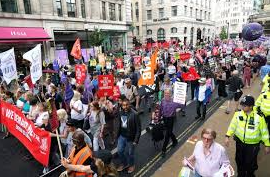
(223, 34)
(96, 38)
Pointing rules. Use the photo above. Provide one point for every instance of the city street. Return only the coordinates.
(148, 158)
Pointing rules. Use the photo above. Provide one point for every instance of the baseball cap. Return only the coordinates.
(247, 101)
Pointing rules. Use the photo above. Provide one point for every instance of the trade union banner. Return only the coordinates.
(105, 85)
(116, 93)
(34, 56)
(36, 140)
(80, 73)
(8, 65)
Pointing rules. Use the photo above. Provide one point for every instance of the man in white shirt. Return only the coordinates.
(208, 156)
(202, 94)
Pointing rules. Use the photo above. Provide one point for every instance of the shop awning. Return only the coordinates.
(24, 34)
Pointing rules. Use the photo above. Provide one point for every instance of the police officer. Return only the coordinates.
(248, 129)
(263, 104)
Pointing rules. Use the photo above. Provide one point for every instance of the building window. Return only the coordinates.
(27, 6)
(161, 35)
(148, 2)
(59, 8)
(112, 11)
(174, 11)
(160, 1)
(149, 14)
(161, 12)
(196, 13)
(137, 11)
(83, 8)
(191, 12)
(185, 30)
(138, 30)
(209, 14)
(149, 32)
(120, 12)
(71, 8)
(173, 30)
(200, 14)
(205, 14)
(103, 10)
(9, 6)
(185, 10)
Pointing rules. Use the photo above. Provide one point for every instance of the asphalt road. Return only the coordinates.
(147, 157)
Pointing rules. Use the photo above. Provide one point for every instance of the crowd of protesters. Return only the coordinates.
(79, 108)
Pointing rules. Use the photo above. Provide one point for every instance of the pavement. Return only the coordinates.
(218, 121)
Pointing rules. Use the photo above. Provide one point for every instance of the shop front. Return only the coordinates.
(22, 39)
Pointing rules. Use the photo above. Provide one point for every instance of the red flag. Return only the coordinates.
(149, 45)
(76, 50)
(80, 73)
(190, 75)
(185, 56)
(166, 45)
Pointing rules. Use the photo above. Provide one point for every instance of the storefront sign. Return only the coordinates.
(34, 56)
(180, 92)
(36, 140)
(80, 73)
(8, 65)
(105, 85)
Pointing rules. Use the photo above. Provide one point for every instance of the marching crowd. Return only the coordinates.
(87, 122)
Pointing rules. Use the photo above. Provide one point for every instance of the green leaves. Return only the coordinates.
(96, 38)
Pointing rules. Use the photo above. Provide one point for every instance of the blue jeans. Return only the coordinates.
(125, 158)
(197, 174)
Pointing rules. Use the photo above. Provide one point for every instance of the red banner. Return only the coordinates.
(119, 63)
(36, 140)
(80, 73)
(185, 56)
(105, 85)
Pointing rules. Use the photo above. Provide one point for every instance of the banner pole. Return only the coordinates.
(59, 144)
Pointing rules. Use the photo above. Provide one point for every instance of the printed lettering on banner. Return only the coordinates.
(34, 56)
(105, 85)
(36, 140)
(180, 92)
(80, 73)
(8, 65)
(119, 63)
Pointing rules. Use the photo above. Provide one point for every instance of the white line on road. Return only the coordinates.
(144, 131)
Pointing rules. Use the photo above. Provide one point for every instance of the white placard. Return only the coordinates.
(34, 56)
(180, 92)
(8, 65)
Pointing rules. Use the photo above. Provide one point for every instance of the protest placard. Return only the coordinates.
(80, 73)
(105, 85)
(179, 93)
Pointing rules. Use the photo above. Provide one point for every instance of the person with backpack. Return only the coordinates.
(131, 93)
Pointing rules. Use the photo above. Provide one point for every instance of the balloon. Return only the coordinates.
(252, 31)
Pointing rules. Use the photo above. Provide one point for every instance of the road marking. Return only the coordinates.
(144, 131)
(150, 164)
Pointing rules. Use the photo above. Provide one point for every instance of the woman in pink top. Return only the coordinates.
(247, 75)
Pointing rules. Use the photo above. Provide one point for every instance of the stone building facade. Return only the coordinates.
(66, 20)
(189, 21)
